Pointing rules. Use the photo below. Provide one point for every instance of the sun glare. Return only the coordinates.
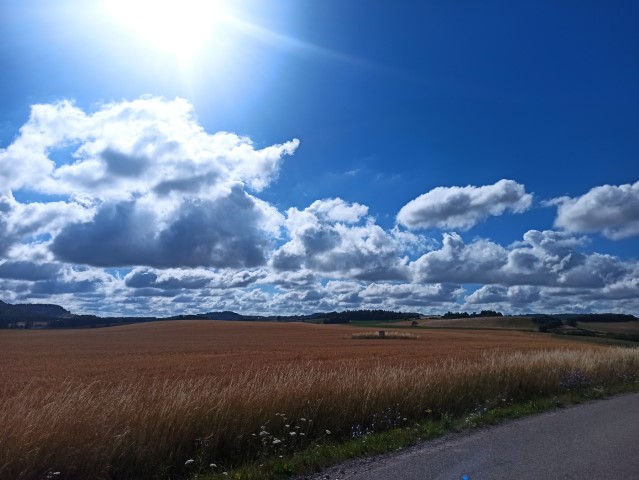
(177, 27)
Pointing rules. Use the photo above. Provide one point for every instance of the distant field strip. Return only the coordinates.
(139, 401)
(507, 323)
(629, 328)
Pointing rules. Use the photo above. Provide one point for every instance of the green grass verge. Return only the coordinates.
(331, 452)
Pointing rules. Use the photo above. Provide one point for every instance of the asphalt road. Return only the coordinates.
(597, 440)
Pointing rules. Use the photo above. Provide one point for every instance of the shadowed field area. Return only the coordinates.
(138, 401)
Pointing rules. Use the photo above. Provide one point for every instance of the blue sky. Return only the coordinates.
(296, 156)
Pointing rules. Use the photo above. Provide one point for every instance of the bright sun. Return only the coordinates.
(177, 27)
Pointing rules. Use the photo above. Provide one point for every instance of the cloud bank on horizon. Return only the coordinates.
(136, 209)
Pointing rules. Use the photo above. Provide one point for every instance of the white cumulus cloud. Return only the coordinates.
(612, 210)
(333, 237)
(543, 258)
(463, 207)
(131, 148)
(144, 184)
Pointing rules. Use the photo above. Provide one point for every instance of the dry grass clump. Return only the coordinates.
(384, 334)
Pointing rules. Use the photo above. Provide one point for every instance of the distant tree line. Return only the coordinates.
(483, 313)
(596, 317)
(54, 316)
(320, 317)
(559, 323)
(362, 316)
(546, 323)
(226, 315)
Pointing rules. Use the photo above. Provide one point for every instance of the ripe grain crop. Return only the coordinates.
(141, 401)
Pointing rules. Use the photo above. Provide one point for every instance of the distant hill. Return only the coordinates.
(33, 310)
(54, 316)
(610, 325)
(226, 315)
(30, 312)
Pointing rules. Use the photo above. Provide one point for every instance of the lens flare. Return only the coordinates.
(179, 28)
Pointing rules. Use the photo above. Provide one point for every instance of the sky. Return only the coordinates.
(293, 156)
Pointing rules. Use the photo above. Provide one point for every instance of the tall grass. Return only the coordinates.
(150, 428)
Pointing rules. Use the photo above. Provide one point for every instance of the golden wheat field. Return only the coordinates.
(139, 401)
(196, 349)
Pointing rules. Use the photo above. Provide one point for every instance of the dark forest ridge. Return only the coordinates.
(31, 315)
(55, 316)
